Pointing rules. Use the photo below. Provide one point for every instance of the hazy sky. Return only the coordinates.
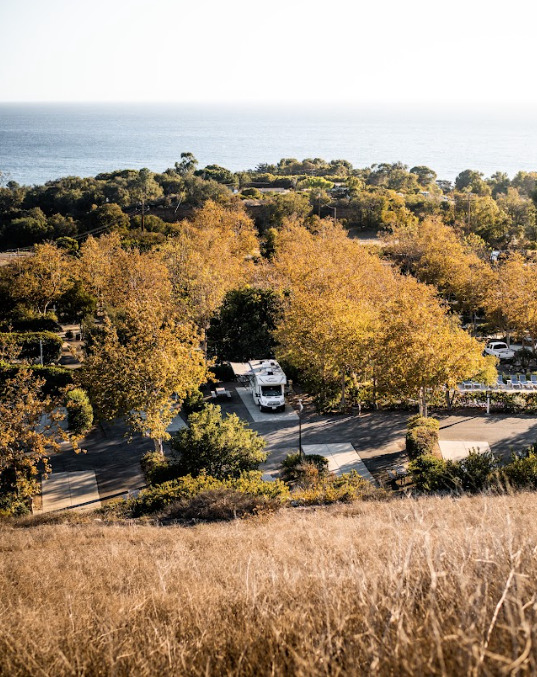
(343, 51)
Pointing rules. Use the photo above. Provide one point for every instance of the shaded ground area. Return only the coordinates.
(116, 461)
(63, 490)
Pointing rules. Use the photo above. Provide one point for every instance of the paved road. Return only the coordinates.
(377, 436)
(116, 461)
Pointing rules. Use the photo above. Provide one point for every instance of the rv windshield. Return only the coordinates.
(269, 391)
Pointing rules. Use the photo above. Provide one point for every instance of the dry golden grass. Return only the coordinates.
(428, 586)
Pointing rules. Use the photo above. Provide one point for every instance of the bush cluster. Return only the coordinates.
(474, 473)
(156, 498)
(343, 488)
(18, 483)
(218, 505)
(157, 468)
(477, 472)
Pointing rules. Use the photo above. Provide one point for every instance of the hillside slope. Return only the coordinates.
(438, 586)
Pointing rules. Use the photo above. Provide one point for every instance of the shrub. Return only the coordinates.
(419, 421)
(521, 472)
(219, 504)
(194, 402)
(29, 344)
(156, 498)
(157, 468)
(79, 412)
(432, 474)
(478, 471)
(18, 483)
(220, 446)
(252, 193)
(421, 436)
(296, 468)
(474, 473)
(336, 489)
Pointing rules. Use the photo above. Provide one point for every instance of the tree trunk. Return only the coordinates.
(423, 403)
(158, 446)
(343, 402)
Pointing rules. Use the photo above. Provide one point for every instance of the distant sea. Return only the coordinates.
(40, 142)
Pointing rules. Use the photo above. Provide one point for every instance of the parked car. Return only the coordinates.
(499, 349)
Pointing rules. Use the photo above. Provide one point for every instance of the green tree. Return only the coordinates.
(109, 217)
(221, 446)
(144, 188)
(27, 229)
(243, 328)
(499, 183)
(218, 174)
(472, 181)
(76, 303)
(425, 175)
(187, 165)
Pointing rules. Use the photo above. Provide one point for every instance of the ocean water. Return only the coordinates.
(40, 142)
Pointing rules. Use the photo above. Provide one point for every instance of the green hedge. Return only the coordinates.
(421, 436)
(56, 378)
(34, 324)
(29, 344)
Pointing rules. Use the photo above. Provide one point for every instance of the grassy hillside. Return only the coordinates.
(437, 586)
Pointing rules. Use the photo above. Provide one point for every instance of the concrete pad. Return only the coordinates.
(70, 490)
(456, 450)
(265, 417)
(342, 458)
(176, 424)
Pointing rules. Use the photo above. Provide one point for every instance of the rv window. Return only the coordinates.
(271, 390)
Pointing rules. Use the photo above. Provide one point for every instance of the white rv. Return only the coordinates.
(266, 380)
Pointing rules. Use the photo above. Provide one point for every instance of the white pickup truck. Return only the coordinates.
(499, 349)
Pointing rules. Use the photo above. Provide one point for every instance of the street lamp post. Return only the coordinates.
(300, 410)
